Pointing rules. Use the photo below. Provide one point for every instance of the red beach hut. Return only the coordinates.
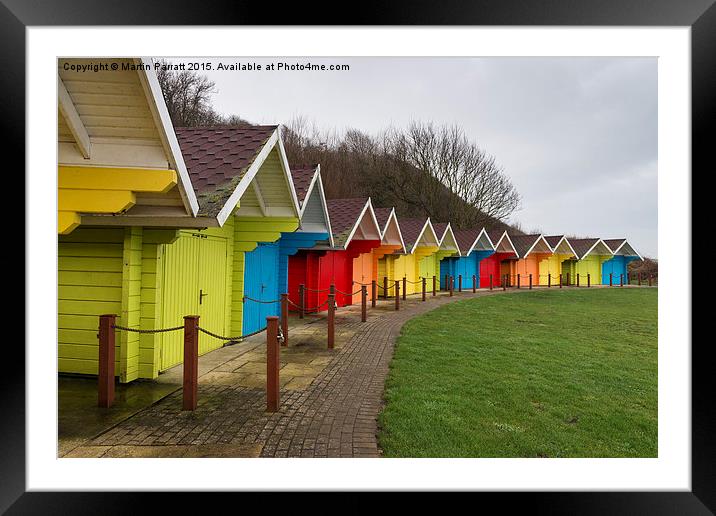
(355, 233)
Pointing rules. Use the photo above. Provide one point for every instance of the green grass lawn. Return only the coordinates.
(559, 373)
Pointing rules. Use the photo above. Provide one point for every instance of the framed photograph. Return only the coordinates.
(419, 252)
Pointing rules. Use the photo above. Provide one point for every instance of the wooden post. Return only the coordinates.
(284, 319)
(385, 287)
(373, 293)
(423, 286)
(504, 282)
(518, 280)
(650, 275)
(549, 280)
(560, 280)
(451, 285)
(530, 281)
(569, 280)
(105, 380)
(397, 295)
(273, 365)
(459, 282)
(191, 361)
(577, 279)
(404, 287)
(331, 316)
(490, 281)
(610, 279)
(474, 284)
(638, 278)
(621, 280)
(434, 285)
(363, 302)
(302, 300)
(589, 280)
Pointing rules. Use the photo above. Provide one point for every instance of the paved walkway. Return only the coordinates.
(331, 412)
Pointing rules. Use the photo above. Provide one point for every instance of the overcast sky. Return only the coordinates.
(577, 136)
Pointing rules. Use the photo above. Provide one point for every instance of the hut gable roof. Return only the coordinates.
(502, 242)
(302, 176)
(560, 244)
(382, 215)
(585, 246)
(413, 229)
(347, 215)
(620, 246)
(468, 240)
(525, 244)
(223, 161)
(389, 227)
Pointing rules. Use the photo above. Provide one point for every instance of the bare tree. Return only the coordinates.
(456, 164)
(188, 98)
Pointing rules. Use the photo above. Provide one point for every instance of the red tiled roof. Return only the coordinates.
(465, 238)
(302, 176)
(217, 158)
(614, 243)
(410, 229)
(523, 243)
(344, 215)
(382, 214)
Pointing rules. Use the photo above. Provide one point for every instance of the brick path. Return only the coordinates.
(334, 416)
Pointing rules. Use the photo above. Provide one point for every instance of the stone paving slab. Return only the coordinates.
(329, 404)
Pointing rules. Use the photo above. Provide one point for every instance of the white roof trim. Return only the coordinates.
(454, 240)
(479, 235)
(318, 181)
(432, 230)
(630, 247)
(505, 235)
(273, 141)
(599, 240)
(368, 206)
(287, 171)
(150, 83)
(541, 236)
(392, 215)
(563, 239)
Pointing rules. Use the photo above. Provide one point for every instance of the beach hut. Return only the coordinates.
(590, 254)
(496, 265)
(448, 247)
(623, 253)
(530, 251)
(421, 243)
(243, 181)
(475, 245)
(391, 241)
(123, 189)
(315, 228)
(154, 223)
(355, 232)
(550, 266)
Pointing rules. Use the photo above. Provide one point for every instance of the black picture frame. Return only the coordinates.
(700, 15)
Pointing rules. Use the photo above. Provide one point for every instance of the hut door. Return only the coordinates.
(212, 291)
(261, 284)
(193, 265)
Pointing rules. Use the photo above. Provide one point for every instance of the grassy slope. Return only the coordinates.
(569, 373)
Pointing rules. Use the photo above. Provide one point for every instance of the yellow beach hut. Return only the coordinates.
(550, 267)
(125, 190)
(590, 254)
(421, 243)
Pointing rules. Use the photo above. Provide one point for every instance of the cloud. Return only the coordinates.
(578, 136)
